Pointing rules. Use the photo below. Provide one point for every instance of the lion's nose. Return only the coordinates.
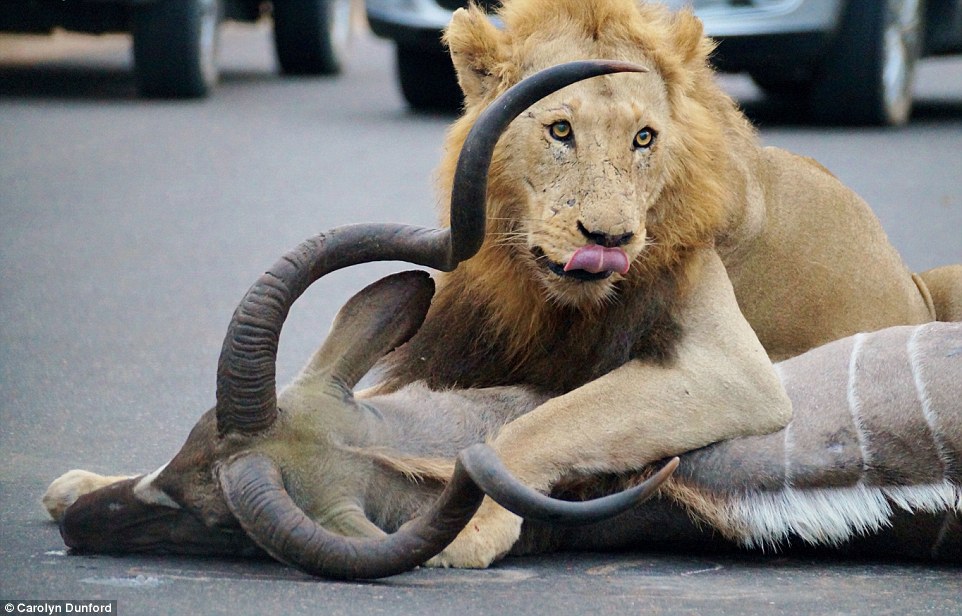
(607, 240)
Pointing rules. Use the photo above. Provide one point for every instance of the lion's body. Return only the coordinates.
(810, 262)
(660, 171)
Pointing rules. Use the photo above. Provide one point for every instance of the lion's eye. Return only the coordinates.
(560, 130)
(644, 138)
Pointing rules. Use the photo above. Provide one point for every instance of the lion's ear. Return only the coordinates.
(476, 50)
(689, 37)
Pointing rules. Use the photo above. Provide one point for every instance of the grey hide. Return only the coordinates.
(871, 462)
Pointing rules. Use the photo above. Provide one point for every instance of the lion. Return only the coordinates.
(646, 258)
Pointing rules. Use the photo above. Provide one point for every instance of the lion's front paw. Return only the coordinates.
(66, 489)
(487, 537)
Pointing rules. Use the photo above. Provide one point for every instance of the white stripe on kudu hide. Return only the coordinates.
(854, 404)
(931, 419)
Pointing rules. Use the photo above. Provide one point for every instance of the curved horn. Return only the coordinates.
(255, 493)
(246, 387)
(494, 479)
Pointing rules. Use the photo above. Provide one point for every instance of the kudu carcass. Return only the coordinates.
(360, 467)
(868, 463)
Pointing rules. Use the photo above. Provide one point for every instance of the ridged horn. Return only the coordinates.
(246, 386)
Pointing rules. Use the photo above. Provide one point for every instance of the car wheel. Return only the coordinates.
(175, 47)
(868, 76)
(780, 86)
(311, 36)
(427, 79)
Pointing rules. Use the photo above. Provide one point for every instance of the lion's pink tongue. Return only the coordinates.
(595, 259)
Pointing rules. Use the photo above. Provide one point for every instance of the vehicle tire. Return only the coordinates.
(427, 79)
(175, 48)
(781, 86)
(311, 36)
(868, 75)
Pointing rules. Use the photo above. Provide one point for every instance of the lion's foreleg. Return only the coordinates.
(720, 385)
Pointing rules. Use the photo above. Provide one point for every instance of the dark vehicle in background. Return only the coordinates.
(846, 61)
(175, 41)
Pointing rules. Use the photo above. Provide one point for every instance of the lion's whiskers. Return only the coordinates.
(514, 219)
(509, 238)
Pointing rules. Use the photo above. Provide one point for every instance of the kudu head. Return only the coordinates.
(258, 470)
(181, 507)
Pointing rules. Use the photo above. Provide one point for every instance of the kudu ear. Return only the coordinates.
(381, 317)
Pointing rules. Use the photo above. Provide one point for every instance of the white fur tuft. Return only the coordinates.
(830, 516)
(147, 492)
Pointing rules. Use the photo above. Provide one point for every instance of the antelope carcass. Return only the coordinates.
(867, 464)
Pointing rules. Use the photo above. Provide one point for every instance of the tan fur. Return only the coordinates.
(805, 260)
(945, 286)
(415, 470)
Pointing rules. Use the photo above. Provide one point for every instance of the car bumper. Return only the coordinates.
(726, 19)
(783, 36)
(798, 29)
(407, 21)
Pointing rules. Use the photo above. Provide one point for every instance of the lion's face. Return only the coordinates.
(610, 175)
(586, 166)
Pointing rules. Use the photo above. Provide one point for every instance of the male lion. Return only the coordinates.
(645, 256)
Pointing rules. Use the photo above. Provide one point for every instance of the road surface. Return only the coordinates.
(129, 229)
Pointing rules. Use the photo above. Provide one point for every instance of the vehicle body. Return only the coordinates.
(175, 41)
(849, 61)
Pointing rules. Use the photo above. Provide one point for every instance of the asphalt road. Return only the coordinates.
(129, 230)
